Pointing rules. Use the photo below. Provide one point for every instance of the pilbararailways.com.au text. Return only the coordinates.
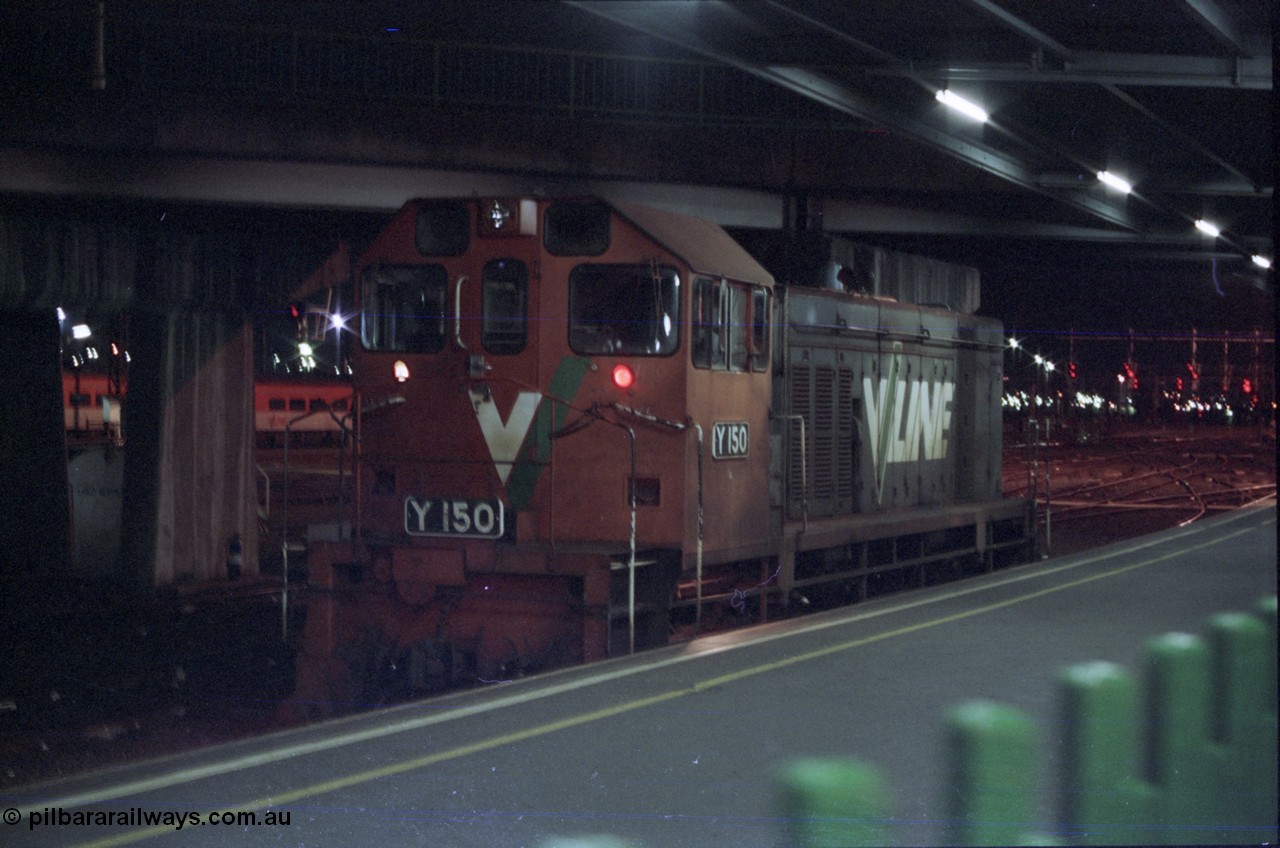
(139, 817)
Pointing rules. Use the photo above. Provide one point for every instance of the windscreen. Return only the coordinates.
(404, 308)
(624, 310)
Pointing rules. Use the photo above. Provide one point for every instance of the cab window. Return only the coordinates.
(442, 228)
(624, 310)
(505, 287)
(761, 316)
(735, 320)
(403, 308)
(577, 228)
(730, 326)
(708, 339)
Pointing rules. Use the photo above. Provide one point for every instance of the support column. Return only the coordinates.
(35, 514)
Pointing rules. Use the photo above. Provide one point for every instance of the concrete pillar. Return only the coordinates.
(35, 529)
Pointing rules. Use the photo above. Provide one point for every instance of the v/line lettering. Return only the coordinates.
(908, 419)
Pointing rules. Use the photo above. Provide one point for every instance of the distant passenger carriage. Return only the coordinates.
(92, 407)
(315, 412)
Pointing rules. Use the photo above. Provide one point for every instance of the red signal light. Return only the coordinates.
(623, 376)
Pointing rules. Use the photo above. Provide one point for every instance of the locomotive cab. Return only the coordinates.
(537, 382)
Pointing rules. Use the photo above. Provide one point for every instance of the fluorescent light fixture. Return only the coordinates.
(81, 331)
(1261, 261)
(949, 98)
(1120, 184)
(1207, 228)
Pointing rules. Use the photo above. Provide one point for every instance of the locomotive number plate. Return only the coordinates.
(729, 440)
(481, 517)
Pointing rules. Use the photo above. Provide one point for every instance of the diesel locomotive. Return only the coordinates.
(584, 426)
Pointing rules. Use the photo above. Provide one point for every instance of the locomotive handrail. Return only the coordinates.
(284, 590)
(588, 415)
(457, 311)
(649, 417)
(697, 563)
(804, 469)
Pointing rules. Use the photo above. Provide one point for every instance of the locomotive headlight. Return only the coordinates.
(499, 214)
(623, 376)
(508, 217)
(401, 371)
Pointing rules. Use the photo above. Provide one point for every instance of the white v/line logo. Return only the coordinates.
(906, 420)
(504, 439)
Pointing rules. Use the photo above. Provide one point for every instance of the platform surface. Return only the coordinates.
(681, 746)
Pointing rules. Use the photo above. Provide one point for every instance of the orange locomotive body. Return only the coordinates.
(578, 421)
(528, 484)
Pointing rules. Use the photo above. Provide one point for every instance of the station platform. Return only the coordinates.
(682, 746)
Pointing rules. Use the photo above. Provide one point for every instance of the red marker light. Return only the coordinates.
(623, 377)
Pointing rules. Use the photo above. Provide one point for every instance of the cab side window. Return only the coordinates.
(761, 320)
(708, 338)
(730, 326)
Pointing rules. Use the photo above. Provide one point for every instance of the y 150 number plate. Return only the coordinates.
(453, 517)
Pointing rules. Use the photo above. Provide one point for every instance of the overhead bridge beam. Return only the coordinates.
(1111, 69)
(669, 23)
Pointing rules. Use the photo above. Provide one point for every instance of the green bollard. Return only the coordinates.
(1267, 754)
(992, 764)
(1103, 801)
(1266, 611)
(833, 803)
(1182, 765)
(1241, 732)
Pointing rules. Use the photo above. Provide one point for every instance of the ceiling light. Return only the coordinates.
(1118, 183)
(1261, 261)
(967, 107)
(1207, 228)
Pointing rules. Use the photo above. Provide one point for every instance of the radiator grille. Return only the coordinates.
(823, 395)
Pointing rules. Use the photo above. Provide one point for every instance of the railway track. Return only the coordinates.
(1123, 485)
(1139, 482)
